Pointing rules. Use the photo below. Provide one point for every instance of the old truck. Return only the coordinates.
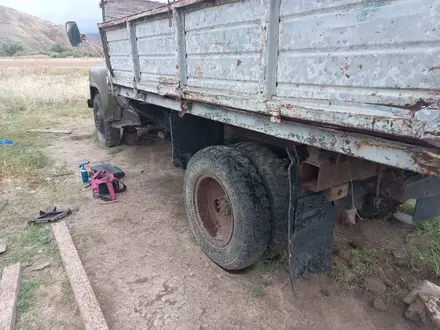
(280, 112)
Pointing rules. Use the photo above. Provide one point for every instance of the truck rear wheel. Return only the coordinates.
(275, 178)
(107, 135)
(227, 207)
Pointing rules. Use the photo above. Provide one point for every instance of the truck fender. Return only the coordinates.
(99, 85)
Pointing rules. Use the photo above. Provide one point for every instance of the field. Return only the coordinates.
(38, 93)
(144, 265)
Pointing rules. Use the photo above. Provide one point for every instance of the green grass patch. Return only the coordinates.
(268, 266)
(363, 263)
(425, 244)
(28, 244)
(67, 293)
(28, 294)
(408, 207)
(22, 159)
(339, 272)
(258, 291)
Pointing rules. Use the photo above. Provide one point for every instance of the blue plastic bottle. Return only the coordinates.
(84, 174)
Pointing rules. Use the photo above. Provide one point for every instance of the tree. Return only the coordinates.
(10, 49)
(57, 48)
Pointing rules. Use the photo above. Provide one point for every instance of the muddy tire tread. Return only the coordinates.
(248, 201)
(275, 177)
(111, 136)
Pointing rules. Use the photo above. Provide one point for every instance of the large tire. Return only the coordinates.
(107, 135)
(227, 207)
(274, 174)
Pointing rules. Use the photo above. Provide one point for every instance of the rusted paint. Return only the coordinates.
(324, 169)
(199, 71)
(422, 159)
(324, 63)
(168, 80)
(162, 9)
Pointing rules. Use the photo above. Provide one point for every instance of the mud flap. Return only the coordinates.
(190, 134)
(311, 227)
(426, 208)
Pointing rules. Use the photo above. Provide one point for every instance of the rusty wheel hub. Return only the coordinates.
(213, 210)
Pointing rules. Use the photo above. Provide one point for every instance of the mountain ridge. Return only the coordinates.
(31, 32)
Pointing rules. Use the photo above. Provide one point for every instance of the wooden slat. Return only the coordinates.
(88, 305)
(9, 289)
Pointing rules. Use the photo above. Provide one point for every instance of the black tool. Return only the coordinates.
(50, 216)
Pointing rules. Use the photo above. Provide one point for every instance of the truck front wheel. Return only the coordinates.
(107, 135)
(227, 207)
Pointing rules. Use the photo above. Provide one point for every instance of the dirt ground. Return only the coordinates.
(53, 63)
(149, 274)
(142, 261)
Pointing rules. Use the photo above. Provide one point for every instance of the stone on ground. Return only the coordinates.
(375, 284)
(379, 305)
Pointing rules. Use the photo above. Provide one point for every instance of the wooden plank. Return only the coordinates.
(50, 131)
(9, 289)
(88, 305)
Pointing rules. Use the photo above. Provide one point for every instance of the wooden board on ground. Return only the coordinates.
(88, 305)
(9, 289)
(50, 131)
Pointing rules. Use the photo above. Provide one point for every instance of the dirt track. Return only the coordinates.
(149, 274)
(84, 63)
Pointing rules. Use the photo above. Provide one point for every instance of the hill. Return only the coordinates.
(33, 33)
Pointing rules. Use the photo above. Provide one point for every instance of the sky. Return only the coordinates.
(85, 12)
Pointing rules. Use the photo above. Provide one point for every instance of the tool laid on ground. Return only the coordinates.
(84, 173)
(51, 216)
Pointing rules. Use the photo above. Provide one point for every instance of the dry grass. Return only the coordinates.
(24, 87)
(34, 96)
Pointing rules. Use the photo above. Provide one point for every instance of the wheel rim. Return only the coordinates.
(213, 209)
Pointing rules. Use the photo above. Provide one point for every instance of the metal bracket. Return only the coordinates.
(135, 89)
(184, 107)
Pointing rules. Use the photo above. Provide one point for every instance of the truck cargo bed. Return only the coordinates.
(371, 67)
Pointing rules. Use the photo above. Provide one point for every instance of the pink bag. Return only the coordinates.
(105, 185)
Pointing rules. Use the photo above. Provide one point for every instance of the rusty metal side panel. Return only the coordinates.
(379, 52)
(156, 43)
(371, 66)
(223, 46)
(119, 53)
